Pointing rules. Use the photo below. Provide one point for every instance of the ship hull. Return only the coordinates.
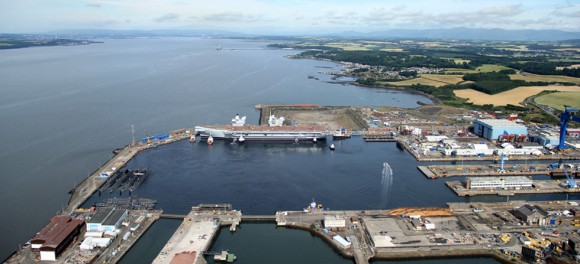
(281, 135)
(269, 138)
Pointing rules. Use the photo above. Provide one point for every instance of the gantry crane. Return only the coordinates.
(568, 114)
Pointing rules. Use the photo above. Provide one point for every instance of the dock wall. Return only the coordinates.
(92, 183)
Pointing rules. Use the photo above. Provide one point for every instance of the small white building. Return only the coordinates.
(429, 226)
(335, 221)
(341, 241)
(92, 242)
(435, 138)
(94, 234)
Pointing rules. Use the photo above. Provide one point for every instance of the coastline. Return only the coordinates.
(434, 99)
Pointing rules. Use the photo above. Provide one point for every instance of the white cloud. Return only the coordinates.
(291, 14)
(169, 17)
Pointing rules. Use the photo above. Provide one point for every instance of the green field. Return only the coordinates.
(458, 60)
(557, 100)
(528, 77)
(491, 68)
(392, 49)
(482, 68)
(350, 46)
(436, 80)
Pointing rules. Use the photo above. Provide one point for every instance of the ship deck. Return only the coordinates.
(270, 129)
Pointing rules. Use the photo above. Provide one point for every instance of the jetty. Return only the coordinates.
(196, 233)
(122, 156)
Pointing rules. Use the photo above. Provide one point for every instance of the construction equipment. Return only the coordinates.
(568, 114)
(571, 182)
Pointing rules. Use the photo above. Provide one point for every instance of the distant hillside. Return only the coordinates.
(108, 33)
(454, 33)
(470, 34)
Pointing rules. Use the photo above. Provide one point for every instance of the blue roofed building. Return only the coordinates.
(492, 129)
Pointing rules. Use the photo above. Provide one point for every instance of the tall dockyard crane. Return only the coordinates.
(568, 114)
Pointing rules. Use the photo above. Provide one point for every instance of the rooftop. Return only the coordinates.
(528, 210)
(59, 228)
(301, 128)
(499, 122)
(509, 179)
(101, 215)
(114, 217)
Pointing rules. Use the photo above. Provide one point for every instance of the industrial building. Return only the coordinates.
(531, 214)
(513, 182)
(54, 238)
(492, 129)
(106, 219)
(334, 221)
(341, 241)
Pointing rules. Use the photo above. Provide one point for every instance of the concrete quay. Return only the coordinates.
(547, 186)
(195, 234)
(93, 182)
(445, 171)
(469, 230)
(120, 246)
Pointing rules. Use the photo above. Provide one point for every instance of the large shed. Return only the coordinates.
(53, 239)
(532, 214)
(106, 219)
(493, 128)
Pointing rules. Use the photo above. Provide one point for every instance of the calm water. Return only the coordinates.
(63, 109)
(261, 178)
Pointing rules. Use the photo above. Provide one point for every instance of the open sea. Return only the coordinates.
(64, 109)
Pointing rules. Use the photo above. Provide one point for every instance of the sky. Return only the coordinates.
(278, 16)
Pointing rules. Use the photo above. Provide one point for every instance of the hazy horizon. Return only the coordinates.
(286, 17)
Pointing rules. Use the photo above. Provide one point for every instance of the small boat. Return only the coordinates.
(224, 256)
(331, 147)
(192, 138)
(210, 140)
(241, 139)
(314, 140)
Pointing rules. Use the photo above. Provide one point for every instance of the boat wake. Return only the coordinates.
(386, 183)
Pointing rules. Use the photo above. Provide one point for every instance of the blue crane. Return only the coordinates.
(568, 114)
(571, 182)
